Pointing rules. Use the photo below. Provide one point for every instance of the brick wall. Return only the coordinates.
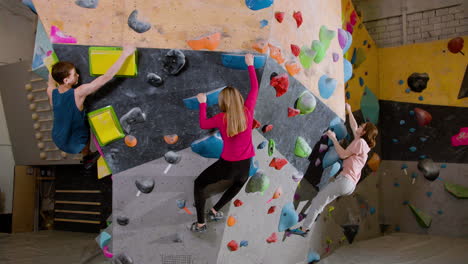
(426, 26)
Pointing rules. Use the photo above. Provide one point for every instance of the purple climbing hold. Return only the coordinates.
(342, 38)
(323, 148)
(336, 57)
(297, 197)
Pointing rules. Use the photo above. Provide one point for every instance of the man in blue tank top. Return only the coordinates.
(70, 130)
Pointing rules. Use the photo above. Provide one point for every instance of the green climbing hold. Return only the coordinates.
(320, 49)
(306, 103)
(302, 148)
(258, 183)
(271, 147)
(370, 106)
(423, 219)
(461, 192)
(359, 56)
(306, 57)
(326, 36)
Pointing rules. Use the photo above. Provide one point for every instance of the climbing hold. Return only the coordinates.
(413, 149)
(244, 243)
(317, 162)
(104, 239)
(134, 116)
(302, 148)
(87, 3)
(455, 45)
(253, 167)
(459, 191)
(330, 157)
(307, 56)
(361, 81)
(272, 239)
(348, 70)
(463, 92)
(326, 86)
(401, 82)
(337, 126)
(231, 221)
(349, 41)
(443, 166)
(306, 103)
(293, 112)
(171, 139)
(417, 82)
(293, 68)
(271, 147)
(260, 46)
(263, 23)
(402, 122)
(313, 257)
(271, 209)
(255, 124)
(211, 99)
(320, 50)
(412, 130)
(262, 145)
(374, 162)
(407, 90)
(422, 116)
(130, 141)
(370, 106)
(154, 79)
(428, 169)
(145, 185)
(342, 38)
(353, 18)
(238, 203)
(297, 197)
(460, 139)
(209, 146)
(288, 217)
(275, 53)
(298, 17)
(350, 232)
(206, 42)
(440, 212)
(280, 83)
(372, 210)
(258, 183)
(136, 24)
(57, 36)
(122, 259)
(364, 42)
(277, 194)
(423, 219)
(335, 57)
(297, 176)
(359, 56)
(421, 98)
(349, 28)
(326, 36)
(295, 50)
(122, 220)
(174, 61)
(323, 148)
(278, 163)
(232, 245)
(267, 128)
(258, 4)
(423, 157)
(429, 194)
(172, 157)
(279, 16)
(423, 139)
(237, 62)
(328, 174)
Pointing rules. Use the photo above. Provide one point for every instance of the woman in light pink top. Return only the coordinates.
(355, 157)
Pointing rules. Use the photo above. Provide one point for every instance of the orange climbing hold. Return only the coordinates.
(260, 46)
(293, 68)
(276, 54)
(278, 163)
(171, 139)
(231, 221)
(130, 141)
(374, 162)
(210, 42)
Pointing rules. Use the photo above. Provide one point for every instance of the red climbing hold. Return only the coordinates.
(456, 45)
(271, 210)
(238, 203)
(255, 124)
(293, 112)
(353, 18)
(279, 16)
(295, 50)
(273, 238)
(280, 83)
(267, 128)
(278, 163)
(298, 17)
(233, 246)
(423, 117)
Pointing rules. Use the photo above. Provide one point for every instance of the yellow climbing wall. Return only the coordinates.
(369, 69)
(445, 70)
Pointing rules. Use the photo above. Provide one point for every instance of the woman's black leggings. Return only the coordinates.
(237, 171)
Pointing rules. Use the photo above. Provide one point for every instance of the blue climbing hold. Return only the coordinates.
(244, 243)
(104, 239)
(402, 122)
(209, 147)
(397, 228)
(361, 81)
(258, 4)
(401, 82)
(364, 43)
(372, 210)
(288, 217)
(263, 23)
(423, 157)
(413, 149)
(394, 140)
(408, 90)
(211, 99)
(396, 184)
(370, 106)
(337, 126)
(348, 70)
(29, 4)
(326, 86)
(411, 113)
(412, 130)
(443, 166)
(348, 95)
(330, 157)
(423, 139)
(237, 61)
(328, 174)
(440, 212)
(421, 98)
(253, 167)
(405, 202)
(349, 41)
(429, 194)
(262, 145)
(313, 256)
(414, 175)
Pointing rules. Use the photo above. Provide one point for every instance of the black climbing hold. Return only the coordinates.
(87, 3)
(122, 220)
(417, 82)
(145, 186)
(154, 79)
(137, 25)
(273, 75)
(174, 61)
(429, 169)
(464, 86)
(172, 157)
(135, 115)
(350, 232)
(122, 259)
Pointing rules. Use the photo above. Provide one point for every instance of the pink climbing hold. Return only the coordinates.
(323, 148)
(423, 117)
(273, 238)
(280, 83)
(353, 18)
(293, 112)
(298, 17)
(460, 139)
(233, 245)
(349, 28)
(295, 50)
(279, 16)
(106, 252)
(57, 36)
(278, 163)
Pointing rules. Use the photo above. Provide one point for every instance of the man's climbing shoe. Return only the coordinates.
(198, 229)
(90, 160)
(215, 217)
(298, 231)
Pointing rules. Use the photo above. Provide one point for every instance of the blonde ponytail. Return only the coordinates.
(231, 103)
